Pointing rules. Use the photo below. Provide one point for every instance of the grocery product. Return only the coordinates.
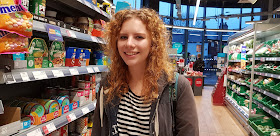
(57, 54)
(50, 105)
(12, 43)
(83, 23)
(63, 92)
(34, 109)
(38, 7)
(62, 100)
(83, 84)
(81, 125)
(79, 58)
(25, 4)
(72, 127)
(26, 122)
(70, 56)
(87, 56)
(64, 130)
(15, 19)
(38, 54)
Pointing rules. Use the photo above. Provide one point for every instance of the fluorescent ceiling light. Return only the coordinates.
(253, 22)
(211, 35)
(221, 30)
(195, 34)
(201, 29)
(196, 10)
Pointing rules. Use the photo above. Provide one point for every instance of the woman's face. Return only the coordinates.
(134, 42)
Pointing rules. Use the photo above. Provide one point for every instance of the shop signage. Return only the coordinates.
(198, 82)
(54, 33)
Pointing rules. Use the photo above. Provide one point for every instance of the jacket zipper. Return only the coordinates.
(153, 118)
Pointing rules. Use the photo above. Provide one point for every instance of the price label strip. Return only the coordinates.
(49, 128)
(39, 75)
(10, 78)
(85, 110)
(71, 117)
(96, 69)
(57, 73)
(90, 70)
(24, 76)
(36, 132)
(74, 71)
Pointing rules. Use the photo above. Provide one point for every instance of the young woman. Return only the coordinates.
(134, 97)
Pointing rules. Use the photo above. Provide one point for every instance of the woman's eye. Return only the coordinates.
(139, 37)
(123, 37)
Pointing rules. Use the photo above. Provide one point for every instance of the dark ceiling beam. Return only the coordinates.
(153, 4)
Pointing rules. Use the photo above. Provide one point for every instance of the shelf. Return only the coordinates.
(263, 59)
(268, 75)
(237, 107)
(60, 121)
(40, 26)
(253, 132)
(274, 96)
(245, 35)
(236, 82)
(234, 61)
(241, 72)
(26, 75)
(272, 113)
(79, 7)
(236, 91)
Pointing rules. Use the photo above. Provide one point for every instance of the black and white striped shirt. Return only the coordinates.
(133, 115)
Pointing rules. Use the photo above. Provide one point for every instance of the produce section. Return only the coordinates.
(253, 79)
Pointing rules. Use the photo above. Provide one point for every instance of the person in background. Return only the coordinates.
(198, 64)
(134, 98)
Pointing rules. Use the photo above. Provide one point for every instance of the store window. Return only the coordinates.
(213, 12)
(231, 23)
(178, 22)
(247, 18)
(199, 23)
(256, 10)
(164, 9)
(135, 4)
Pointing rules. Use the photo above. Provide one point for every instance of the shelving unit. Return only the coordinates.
(60, 121)
(24, 80)
(234, 90)
(261, 32)
(268, 110)
(40, 27)
(27, 75)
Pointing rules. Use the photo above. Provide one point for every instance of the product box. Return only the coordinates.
(79, 58)
(70, 56)
(38, 54)
(10, 119)
(57, 54)
(38, 7)
(87, 56)
(20, 64)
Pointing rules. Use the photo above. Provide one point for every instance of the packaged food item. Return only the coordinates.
(72, 127)
(26, 122)
(15, 19)
(70, 56)
(38, 54)
(57, 54)
(63, 92)
(25, 4)
(64, 131)
(87, 56)
(34, 109)
(79, 58)
(78, 95)
(38, 7)
(50, 105)
(83, 23)
(81, 125)
(12, 43)
(62, 100)
(83, 84)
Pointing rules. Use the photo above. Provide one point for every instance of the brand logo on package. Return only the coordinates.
(55, 114)
(66, 109)
(75, 105)
(86, 92)
(10, 9)
(198, 82)
(54, 33)
(44, 119)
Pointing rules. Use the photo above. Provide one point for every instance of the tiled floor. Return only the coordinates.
(216, 120)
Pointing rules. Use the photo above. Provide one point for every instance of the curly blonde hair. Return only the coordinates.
(157, 61)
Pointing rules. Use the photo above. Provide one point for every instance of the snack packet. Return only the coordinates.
(12, 43)
(15, 18)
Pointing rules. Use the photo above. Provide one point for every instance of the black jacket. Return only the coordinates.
(105, 115)
(198, 65)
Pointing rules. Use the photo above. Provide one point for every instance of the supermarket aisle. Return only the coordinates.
(216, 120)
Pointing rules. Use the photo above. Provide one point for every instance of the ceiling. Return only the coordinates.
(226, 3)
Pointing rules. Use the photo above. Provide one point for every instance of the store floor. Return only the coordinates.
(216, 120)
